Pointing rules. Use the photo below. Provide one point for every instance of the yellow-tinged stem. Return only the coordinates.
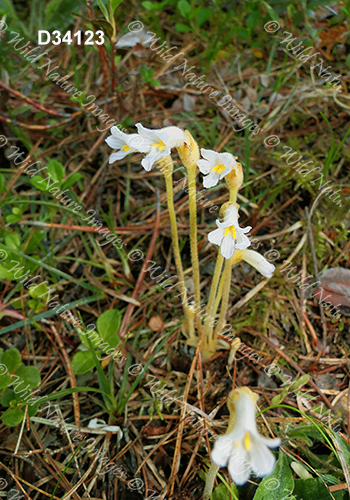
(211, 340)
(193, 241)
(225, 298)
(233, 195)
(209, 483)
(213, 290)
(168, 174)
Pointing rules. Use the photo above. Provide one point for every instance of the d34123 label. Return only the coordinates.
(81, 38)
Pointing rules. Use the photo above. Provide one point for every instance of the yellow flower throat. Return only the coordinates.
(218, 169)
(160, 145)
(230, 229)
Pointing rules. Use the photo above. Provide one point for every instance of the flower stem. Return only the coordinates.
(168, 174)
(193, 241)
(225, 297)
(212, 295)
(209, 483)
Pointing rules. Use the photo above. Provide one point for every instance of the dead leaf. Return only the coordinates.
(336, 288)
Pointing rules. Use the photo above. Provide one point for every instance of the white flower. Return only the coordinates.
(259, 262)
(133, 38)
(216, 166)
(161, 141)
(243, 449)
(126, 143)
(229, 236)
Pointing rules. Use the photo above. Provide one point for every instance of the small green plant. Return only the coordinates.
(18, 381)
(94, 342)
(147, 75)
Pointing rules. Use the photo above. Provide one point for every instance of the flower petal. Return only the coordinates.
(139, 143)
(114, 142)
(204, 166)
(118, 156)
(228, 160)
(221, 451)
(259, 262)
(210, 180)
(211, 156)
(242, 241)
(239, 466)
(271, 443)
(261, 458)
(147, 133)
(217, 236)
(228, 246)
(172, 136)
(152, 157)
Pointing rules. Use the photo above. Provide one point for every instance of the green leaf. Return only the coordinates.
(103, 9)
(34, 242)
(5, 381)
(37, 181)
(184, 8)
(221, 493)
(72, 179)
(279, 483)
(82, 362)
(182, 28)
(299, 383)
(272, 13)
(7, 397)
(108, 323)
(13, 241)
(30, 376)
(12, 360)
(13, 417)
(276, 400)
(93, 336)
(343, 446)
(311, 488)
(203, 16)
(41, 289)
(149, 5)
(55, 170)
(33, 410)
(115, 4)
